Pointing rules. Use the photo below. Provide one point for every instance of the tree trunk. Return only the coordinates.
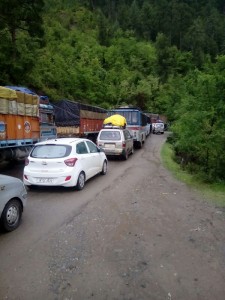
(13, 38)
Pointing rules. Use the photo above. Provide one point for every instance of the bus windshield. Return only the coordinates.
(130, 116)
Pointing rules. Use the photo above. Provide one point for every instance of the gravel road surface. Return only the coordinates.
(135, 234)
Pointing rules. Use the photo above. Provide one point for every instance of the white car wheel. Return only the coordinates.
(104, 168)
(80, 181)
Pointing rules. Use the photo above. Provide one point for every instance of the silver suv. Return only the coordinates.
(116, 141)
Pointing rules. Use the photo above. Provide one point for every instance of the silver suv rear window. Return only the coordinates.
(51, 151)
(110, 135)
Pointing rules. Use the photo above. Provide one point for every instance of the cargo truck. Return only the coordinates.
(75, 119)
(25, 119)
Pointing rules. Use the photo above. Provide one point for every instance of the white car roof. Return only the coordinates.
(62, 141)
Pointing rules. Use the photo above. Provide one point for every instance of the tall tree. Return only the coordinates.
(21, 15)
(196, 40)
(20, 35)
(199, 128)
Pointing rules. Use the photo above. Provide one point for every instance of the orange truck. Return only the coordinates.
(24, 120)
(75, 119)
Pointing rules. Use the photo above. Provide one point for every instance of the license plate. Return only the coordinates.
(110, 146)
(44, 180)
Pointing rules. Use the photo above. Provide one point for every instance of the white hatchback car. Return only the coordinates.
(67, 162)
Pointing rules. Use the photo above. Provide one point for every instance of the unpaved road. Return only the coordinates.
(134, 234)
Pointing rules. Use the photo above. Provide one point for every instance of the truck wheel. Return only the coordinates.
(11, 215)
(80, 181)
(104, 168)
(140, 145)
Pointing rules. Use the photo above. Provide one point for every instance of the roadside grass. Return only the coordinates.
(214, 192)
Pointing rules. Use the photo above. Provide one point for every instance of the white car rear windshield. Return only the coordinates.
(110, 135)
(51, 151)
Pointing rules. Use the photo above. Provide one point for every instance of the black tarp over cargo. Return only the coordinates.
(74, 118)
(67, 113)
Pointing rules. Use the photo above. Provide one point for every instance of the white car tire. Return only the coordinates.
(104, 168)
(80, 181)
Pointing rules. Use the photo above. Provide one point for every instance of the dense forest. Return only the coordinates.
(165, 56)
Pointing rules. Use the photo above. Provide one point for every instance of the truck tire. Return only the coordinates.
(140, 144)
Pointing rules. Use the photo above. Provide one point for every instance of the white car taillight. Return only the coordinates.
(70, 162)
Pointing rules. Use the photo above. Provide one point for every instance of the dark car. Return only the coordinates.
(13, 198)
